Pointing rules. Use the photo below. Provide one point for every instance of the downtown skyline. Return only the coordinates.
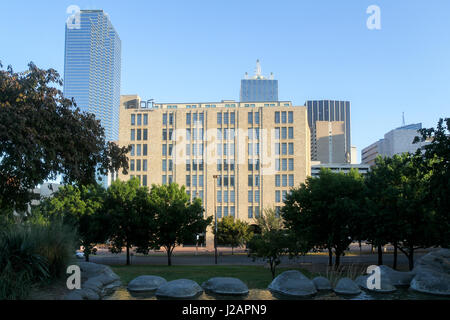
(175, 52)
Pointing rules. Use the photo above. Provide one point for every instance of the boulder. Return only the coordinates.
(385, 284)
(432, 273)
(347, 286)
(145, 283)
(293, 283)
(397, 278)
(179, 289)
(225, 286)
(322, 284)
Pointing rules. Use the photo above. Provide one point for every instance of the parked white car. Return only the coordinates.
(79, 255)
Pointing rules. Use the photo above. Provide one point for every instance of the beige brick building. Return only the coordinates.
(258, 151)
(328, 142)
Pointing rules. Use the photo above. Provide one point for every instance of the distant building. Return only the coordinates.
(396, 141)
(329, 122)
(338, 167)
(354, 155)
(258, 88)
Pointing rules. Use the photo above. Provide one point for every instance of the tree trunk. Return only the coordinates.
(232, 253)
(128, 255)
(272, 268)
(338, 260)
(411, 258)
(330, 257)
(394, 266)
(169, 256)
(380, 255)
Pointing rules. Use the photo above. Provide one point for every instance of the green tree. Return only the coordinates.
(326, 212)
(128, 209)
(232, 232)
(437, 152)
(43, 135)
(80, 208)
(176, 219)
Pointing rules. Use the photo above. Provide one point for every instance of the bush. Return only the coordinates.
(31, 254)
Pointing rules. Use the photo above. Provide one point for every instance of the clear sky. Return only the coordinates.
(193, 51)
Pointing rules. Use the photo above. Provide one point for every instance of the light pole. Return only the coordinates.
(215, 218)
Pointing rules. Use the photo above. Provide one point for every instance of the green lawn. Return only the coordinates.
(256, 277)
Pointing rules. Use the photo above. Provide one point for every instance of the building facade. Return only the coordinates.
(253, 150)
(92, 68)
(258, 88)
(329, 122)
(338, 167)
(396, 141)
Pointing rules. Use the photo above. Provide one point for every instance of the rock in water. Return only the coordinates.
(322, 284)
(347, 286)
(179, 289)
(145, 283)
(293, 283)
(432, 273)
(397, 278)
(385, 284)
(225, 286)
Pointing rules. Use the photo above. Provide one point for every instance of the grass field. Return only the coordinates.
(256, 277)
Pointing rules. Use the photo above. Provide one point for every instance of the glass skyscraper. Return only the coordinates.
(92, 68)
(258, 88)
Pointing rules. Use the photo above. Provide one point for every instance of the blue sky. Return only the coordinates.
(176, 51)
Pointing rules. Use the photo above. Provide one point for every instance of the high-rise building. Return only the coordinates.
(259, 88)
(329, 122)
(92, 68)
(396, 141)
(258, 151)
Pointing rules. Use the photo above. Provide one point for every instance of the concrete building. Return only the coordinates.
(396, 141)
(252, 148)
(338, 167)
(329, 122)
(92, 69)
(258, 88)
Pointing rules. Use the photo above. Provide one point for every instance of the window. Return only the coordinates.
(170, 149)
(291, 164)
(284, 149)
(257, 117)
(219, 181)
(250, 196)
(164, 179)
(164, 118)
(225, 118)
(250, 118)
(164, 134)
(145, 138)
(131, 165)
(283, 117)
(219, 118)
(138, 149)
(277, 117)
(138, 165)
(219, 134)
(225, 211)
(164, 165)
(194, 165)
(250, 165)
(188, 180)
(194, 149)
(219, 196)
(194, 180)
(284, 192)
(139, 119)
(284, 180)
(232, 118)
(250, 134)
(144, 180)
(188, 134)
(290, 117)
(200, 181)
(250, 149)
(200, 163)
(219, 165)
(284, 164)
(277, 133)
(256, 212)
(232, 211)
(277, 180)
(132, 150)
(277, 196)
(225, 196)
(133, 119)
(231, 181)
(164, 149)
(171, 119)
(144, 149)
(219, 212)
(188, 149)
(219, 149)
(145, 123)
(257, 196)
(188, 118)
(291, 133)
(138, 134)
(144, 165)
(250, 181)
(291, 180)
(284, 133)
(225, 181)
(132, 135)
(232, 196)
(256, 181)
(170, 165)
(277, 149)
(250, 212)
(277, 164)
(291, 149)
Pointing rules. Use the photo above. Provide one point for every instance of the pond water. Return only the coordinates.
(260, 294)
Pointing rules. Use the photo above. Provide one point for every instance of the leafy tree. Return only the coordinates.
(232, 232)
(325, 212)
(128, 210)
(82, 209)
(176, 219)
(437, 152)
(43, 135)
(270, 220)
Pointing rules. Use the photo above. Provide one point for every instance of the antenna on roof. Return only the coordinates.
(258, 69)
(403, 119)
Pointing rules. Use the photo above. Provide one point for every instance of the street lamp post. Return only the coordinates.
(215, 218)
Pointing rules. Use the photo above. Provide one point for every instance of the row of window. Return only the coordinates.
(225, 181)
(225, 165)
(226, 196)
(226, 118)
(253, 196)
(197, 118)
(284, 149)
(286, 117)
(139, 134)
(142, 180)
(284, 164)
(136, 119)
(253, 212)
(192, 180)
(135, 165)
(226, 211)
(284, 133)
(197, 164)
(138, 150)
(280, 195)
(284, 180)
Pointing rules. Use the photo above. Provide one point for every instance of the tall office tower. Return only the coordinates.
(396, 141)
(92, 69)
(329, 122)
(258, 88)
(258, 151)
